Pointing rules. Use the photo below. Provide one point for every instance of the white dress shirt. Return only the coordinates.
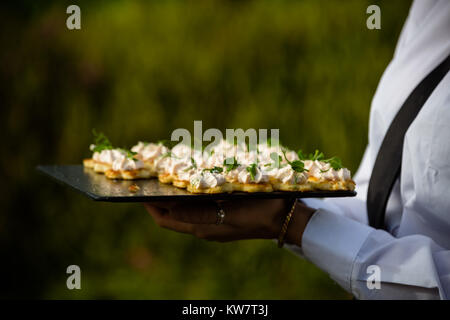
(413, 255)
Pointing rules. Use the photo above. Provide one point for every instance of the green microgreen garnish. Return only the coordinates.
(129, 154)
(317, 155)
(277, 159)
(252, 170)
(101, 142)
(334, 162)
(230, 163)
(296, 165)
(169, 154)
(301, 155)
(214, 170)
(192, 166)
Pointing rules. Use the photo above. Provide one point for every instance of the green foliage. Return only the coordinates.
(136, 71)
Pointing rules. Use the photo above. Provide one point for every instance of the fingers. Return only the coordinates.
(205, 231)
(190, 212)
(251, 212)
(237, 213)
(240, 213)
(195, 212)
(155, 212)
(163, 219)
(163, 204)
(244, 219)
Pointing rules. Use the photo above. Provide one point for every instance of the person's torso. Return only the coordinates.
(420, 201)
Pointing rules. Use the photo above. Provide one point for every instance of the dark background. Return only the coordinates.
(139, 69)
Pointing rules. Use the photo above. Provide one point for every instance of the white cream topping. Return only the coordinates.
(96, 156)
(215, 160)
(341, 174)
(271, 172)
(288, 176)
(222, 147)
(181, 151)
(185, 175)
(344, 174)
(291, 155)
(260, 177)
(200, 159)
(247, 157)
(177, 165)
(127, 164)
(161, 163)
(320, 169)
(139, 147)
(233, 175)
(206, 179)
(118, 159)
(108, 156)
(180, 163)
(149, 151)
(264, 156)
(316, 167)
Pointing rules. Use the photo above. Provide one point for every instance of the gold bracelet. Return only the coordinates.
(285, 225)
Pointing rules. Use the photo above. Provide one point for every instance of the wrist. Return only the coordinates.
(282, 209)
(300, 218)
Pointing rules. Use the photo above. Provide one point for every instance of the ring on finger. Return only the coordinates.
(220, 215)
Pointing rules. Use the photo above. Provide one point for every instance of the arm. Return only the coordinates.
(412, 267)
(415, 262)
(338, 240)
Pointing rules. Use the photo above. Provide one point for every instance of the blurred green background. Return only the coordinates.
(138, 70)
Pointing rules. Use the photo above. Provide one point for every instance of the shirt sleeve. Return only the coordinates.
(339, 241)
(411, 267)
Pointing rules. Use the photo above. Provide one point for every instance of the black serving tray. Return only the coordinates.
(99, 188)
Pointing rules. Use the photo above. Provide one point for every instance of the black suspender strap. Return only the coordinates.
(388, 162)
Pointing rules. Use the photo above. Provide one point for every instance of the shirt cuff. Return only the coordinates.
(332, 242)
